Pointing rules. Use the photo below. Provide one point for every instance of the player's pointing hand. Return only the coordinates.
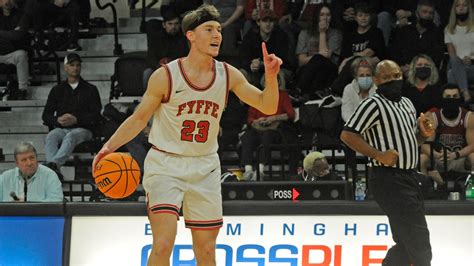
(271, 62)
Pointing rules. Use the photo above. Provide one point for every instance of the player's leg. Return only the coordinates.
(204, 246)
(163, 227)
(202, 208)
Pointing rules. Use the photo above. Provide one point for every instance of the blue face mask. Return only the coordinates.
(364, 83)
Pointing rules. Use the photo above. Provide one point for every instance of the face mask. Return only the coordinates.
(462, 17)
(450, 107)
(391, 90)
(364, 83)
(422, 72)
(426, 23)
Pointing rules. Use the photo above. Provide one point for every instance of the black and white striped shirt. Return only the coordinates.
(388, 125)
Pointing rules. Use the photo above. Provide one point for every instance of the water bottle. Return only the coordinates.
(360, 190)
(469, 185)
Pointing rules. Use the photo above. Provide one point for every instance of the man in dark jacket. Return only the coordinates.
(13, 38)
(420, 37)
(72, 112)
(166, 42)
(251, 59)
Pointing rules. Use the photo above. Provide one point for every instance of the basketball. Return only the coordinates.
(117, 175)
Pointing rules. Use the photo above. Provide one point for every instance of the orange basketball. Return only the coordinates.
(117, 175)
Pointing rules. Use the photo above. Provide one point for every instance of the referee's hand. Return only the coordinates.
(388, 158)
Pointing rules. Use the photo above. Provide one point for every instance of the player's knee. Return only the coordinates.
(205, 251)
(162, 247)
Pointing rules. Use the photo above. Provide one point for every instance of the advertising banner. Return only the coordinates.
(270, 240)
(31, 240)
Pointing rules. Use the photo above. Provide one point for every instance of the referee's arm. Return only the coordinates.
(356, 142)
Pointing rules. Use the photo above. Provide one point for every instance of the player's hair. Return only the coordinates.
(196, 17)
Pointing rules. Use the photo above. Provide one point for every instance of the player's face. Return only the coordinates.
(27, 163)
(207, 37)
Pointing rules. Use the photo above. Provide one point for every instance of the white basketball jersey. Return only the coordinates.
(187, 122)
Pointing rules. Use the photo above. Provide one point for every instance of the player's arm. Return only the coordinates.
(134, 124)
(265, 101)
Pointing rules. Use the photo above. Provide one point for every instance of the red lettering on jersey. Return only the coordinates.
(208, 106)
(180, 109)
(191, 106)
(215, 108)
(199, 106)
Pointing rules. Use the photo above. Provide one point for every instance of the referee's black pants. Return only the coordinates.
(398, 193)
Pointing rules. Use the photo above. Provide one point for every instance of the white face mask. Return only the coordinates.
(364, 83)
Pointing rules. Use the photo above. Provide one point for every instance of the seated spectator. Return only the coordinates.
(40, 183)
(166, 42)
(114, 114)
(318, 51)
(253, 8)
(454, 127)
(344, 11)
(422, 37)
(364, 40)
(395, 14)
(72, 112)
(421, 85)
(251, 58)
(232, 120)
(43, 14)
(359, 89)
(231, 12)
(317, 168)
(459, 39)
(13, 45)
(265, 130)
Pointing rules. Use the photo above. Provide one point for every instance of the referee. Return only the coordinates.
(384, 127)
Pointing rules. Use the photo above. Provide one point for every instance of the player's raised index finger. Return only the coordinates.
(264, 50)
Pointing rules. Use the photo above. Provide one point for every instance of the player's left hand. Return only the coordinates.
(426, 126)
(271, 62)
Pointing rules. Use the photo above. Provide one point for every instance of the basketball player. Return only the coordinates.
(186, 98)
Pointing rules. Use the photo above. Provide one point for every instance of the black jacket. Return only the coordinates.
(163, 45)
(407, 42)
(83, 102)
(13, 35)
(251, 47)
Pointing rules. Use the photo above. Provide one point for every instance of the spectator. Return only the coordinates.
(42, 184)
(359, 89)
(317, 168)
(253, 8)
(42, 14)
(263, 129)
(13, 43)
(114, 114)
(422, 86)
(232, 120)
(318, 51)
(165, 43)
(395, 14)
(231, 12)
(422, 37)
(364, 40)
(459, 39)
(251, 58)
(454, 127)
(72, 112)
(344, 11)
